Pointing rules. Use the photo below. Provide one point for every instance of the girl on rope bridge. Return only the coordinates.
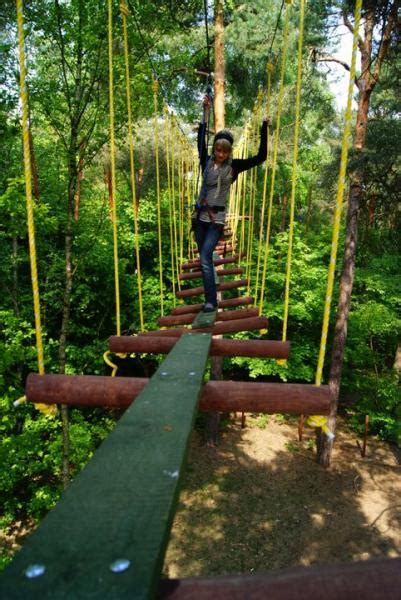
(219, 172)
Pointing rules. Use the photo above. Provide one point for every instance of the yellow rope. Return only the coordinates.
(294, 169)
(275, 152)
(124, 12)
(182, 206)
(173, 195)
(237, 196)
(113, 165)
(190, 196)
(264, 195)
(340, 195)
(159, 227)
(242, 209)
(50, 410)
(253, 190)
(113, 366)
(170, 215)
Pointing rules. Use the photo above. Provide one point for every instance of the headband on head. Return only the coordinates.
(224, 134)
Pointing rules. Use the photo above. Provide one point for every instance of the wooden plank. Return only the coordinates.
(219, 347)
(227, 285)
(204, 319)
(229, 302)
(122, 504)
(220, 272)
(266, 397)
(220, 261)
(224, 396)
(366, 580)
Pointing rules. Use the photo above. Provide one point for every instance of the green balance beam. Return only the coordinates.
(117, 514)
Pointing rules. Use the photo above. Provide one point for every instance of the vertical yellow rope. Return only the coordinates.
(159, 226)
(113, 165)
(253, 190)
(46, 409)
(175, 229)
(275, 152)
(237, 198)
(294, 169)
(236, 202)
(243, 196)
(170, 215)
(254, 179)
(28, 189)
(264, 195)
(182, 206)
(124, 13)
(190, 197)
(340, 196)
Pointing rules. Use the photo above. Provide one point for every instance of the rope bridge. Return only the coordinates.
(107, 536)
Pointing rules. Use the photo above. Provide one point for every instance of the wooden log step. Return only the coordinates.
(225, 315)
(370, 579)
(229, 302)
(233, 326)
(219, 347)
(250, 396)
(218, 261)
(220, 273)
(224, 396)
(224, 247)
(226, 285)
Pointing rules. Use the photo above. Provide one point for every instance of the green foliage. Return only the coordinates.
(374, 333)
(262, 421)
(30, 455)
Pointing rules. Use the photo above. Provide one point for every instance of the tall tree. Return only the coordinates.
(219, 71)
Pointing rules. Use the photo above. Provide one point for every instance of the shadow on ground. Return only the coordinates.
(258, 503)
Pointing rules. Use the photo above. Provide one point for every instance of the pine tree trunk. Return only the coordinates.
(219, 65)
(65, 319)
(324, 445)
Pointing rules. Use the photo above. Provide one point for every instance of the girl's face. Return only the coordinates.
(220, 153)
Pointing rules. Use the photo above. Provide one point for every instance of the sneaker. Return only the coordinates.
(209, 307)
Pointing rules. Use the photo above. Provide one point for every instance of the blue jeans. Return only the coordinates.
(207, 235)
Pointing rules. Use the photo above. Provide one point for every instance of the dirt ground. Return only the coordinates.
(259, 501)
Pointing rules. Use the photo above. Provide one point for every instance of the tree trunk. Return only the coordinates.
(309, 210)
(219, 65)
(284, 211)
(324, 444)
(34, 170)
(216, 370)
(65, 319)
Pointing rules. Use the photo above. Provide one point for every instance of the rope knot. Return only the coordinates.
(124, 9)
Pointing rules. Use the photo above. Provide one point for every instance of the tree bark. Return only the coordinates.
(216, 369)
(219, 65)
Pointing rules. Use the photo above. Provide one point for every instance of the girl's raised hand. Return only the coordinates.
(207, 103)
